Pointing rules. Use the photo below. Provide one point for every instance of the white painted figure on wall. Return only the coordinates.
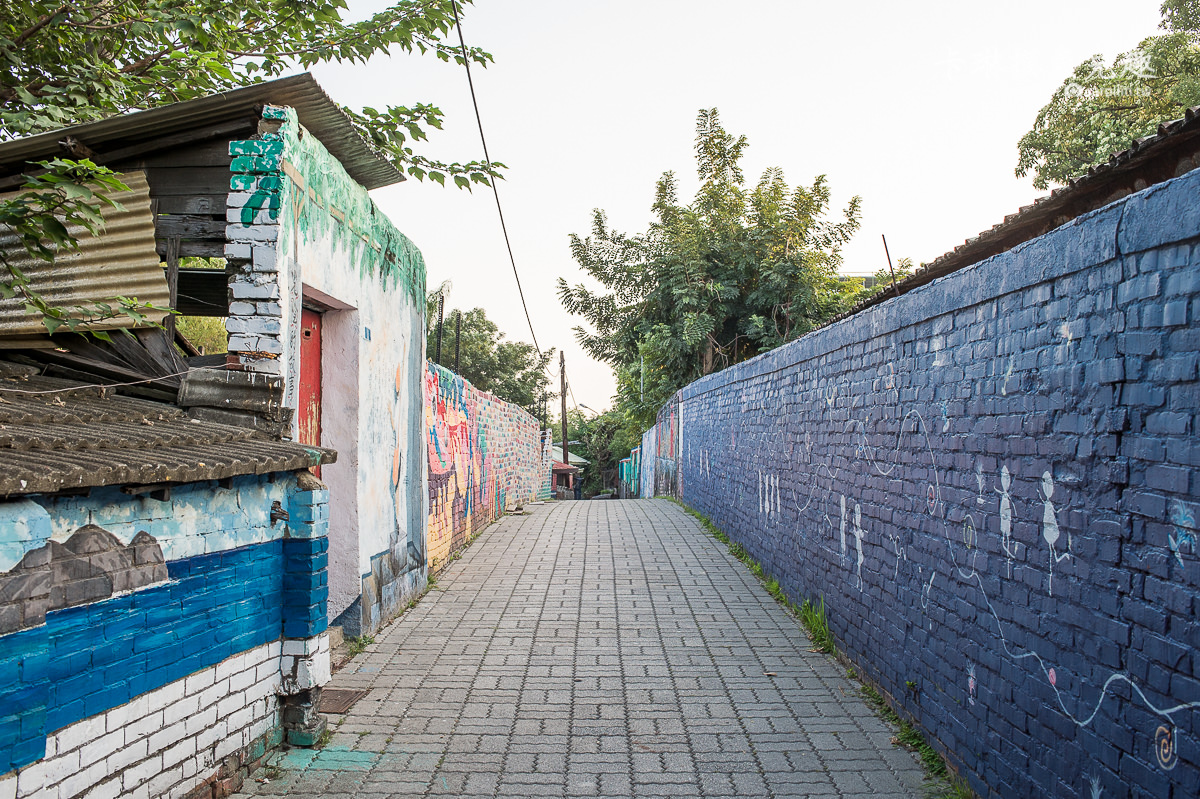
(843, 526)
(1050, 530)
(1006, 517)
(858, 541)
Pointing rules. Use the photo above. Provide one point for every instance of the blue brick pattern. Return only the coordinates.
(305, 586)
(91, 658)
(993, 483)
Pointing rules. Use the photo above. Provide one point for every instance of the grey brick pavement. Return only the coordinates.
(604, 648)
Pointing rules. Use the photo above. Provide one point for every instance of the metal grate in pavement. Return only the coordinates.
(339, 700)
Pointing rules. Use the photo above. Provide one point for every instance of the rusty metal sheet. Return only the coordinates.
(58, 434)
(121, 261)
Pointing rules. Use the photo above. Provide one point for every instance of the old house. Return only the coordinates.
(160, 533)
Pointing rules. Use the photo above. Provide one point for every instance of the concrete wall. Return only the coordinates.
(992, 482)
(304, 233)
(485, 456)
(144, 645)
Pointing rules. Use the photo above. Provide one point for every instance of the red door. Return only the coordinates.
(310, 379)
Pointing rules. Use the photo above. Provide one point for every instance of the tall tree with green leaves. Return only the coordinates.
(1100, 108)
(736, 272)
(512, 370)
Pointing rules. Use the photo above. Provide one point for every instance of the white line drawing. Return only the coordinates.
(1050, 528)
(979, 480)
(1007, 375)
(843, 528)
(1006, 517)
(1094, 784)
(971, 683)
(858, 540)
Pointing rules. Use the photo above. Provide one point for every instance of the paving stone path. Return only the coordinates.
(603, 648)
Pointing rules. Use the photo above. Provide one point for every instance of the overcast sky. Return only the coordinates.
(916, 107)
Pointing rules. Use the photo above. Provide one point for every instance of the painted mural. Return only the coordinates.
(312, 237)
(995, 489)
(485, 456)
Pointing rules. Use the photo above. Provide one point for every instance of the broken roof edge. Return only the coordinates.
(1149, 160)
(316, 111)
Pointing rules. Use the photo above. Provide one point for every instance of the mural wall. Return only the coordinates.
(308, 235)
(992, 481)
(485, 456)
(649, 462)
(143, 642)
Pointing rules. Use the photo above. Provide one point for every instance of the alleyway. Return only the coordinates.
(598, 649)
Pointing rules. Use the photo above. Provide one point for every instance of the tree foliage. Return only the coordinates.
(1100, 108)
(66, 196)
(73, 61)
(512, 370)
(738, 271)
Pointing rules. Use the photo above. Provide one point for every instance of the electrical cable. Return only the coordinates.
(488, 162)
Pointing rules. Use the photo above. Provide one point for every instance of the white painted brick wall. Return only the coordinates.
(163, 743)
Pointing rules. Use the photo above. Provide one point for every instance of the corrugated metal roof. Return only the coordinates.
(1173, 150)
(316, 111)
(84, 436)
(120, 261)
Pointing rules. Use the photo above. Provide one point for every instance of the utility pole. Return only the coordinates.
(437, 358)
(457, 335)
(562, 372)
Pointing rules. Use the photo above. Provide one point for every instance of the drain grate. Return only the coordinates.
(339, 700)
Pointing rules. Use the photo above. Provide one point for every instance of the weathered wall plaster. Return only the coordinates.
(129, 596)
(301, 223)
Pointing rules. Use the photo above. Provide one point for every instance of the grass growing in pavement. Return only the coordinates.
(815, 619)
(359, 644)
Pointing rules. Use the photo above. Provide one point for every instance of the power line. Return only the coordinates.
(488, 161)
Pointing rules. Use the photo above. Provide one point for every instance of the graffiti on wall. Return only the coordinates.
(999, 495)
(485, 455)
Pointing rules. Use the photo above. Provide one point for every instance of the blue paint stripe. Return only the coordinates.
(89, 659)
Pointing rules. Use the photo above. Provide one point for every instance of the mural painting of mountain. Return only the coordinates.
(92, 565)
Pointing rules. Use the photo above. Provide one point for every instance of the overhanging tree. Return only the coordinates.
(734, 273)
(72, 61)
(1100, 108)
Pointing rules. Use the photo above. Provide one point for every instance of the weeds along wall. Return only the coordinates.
(146, 646)
(485, 456)
(992, 483)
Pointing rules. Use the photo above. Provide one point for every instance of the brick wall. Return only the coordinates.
(992, 482)
(485, 456)
(148, 688)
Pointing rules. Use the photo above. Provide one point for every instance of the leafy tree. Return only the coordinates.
(736, 272)
(67, 196)
(512, 370)
(1099, 109)
(73, 61)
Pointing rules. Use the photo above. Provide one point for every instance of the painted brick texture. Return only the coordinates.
(232, 583)
(485, 456)
(992, 481)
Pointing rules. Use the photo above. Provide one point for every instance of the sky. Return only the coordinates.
(916, 107)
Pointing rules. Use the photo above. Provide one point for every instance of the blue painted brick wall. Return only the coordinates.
(993, 483)
(91, 658)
